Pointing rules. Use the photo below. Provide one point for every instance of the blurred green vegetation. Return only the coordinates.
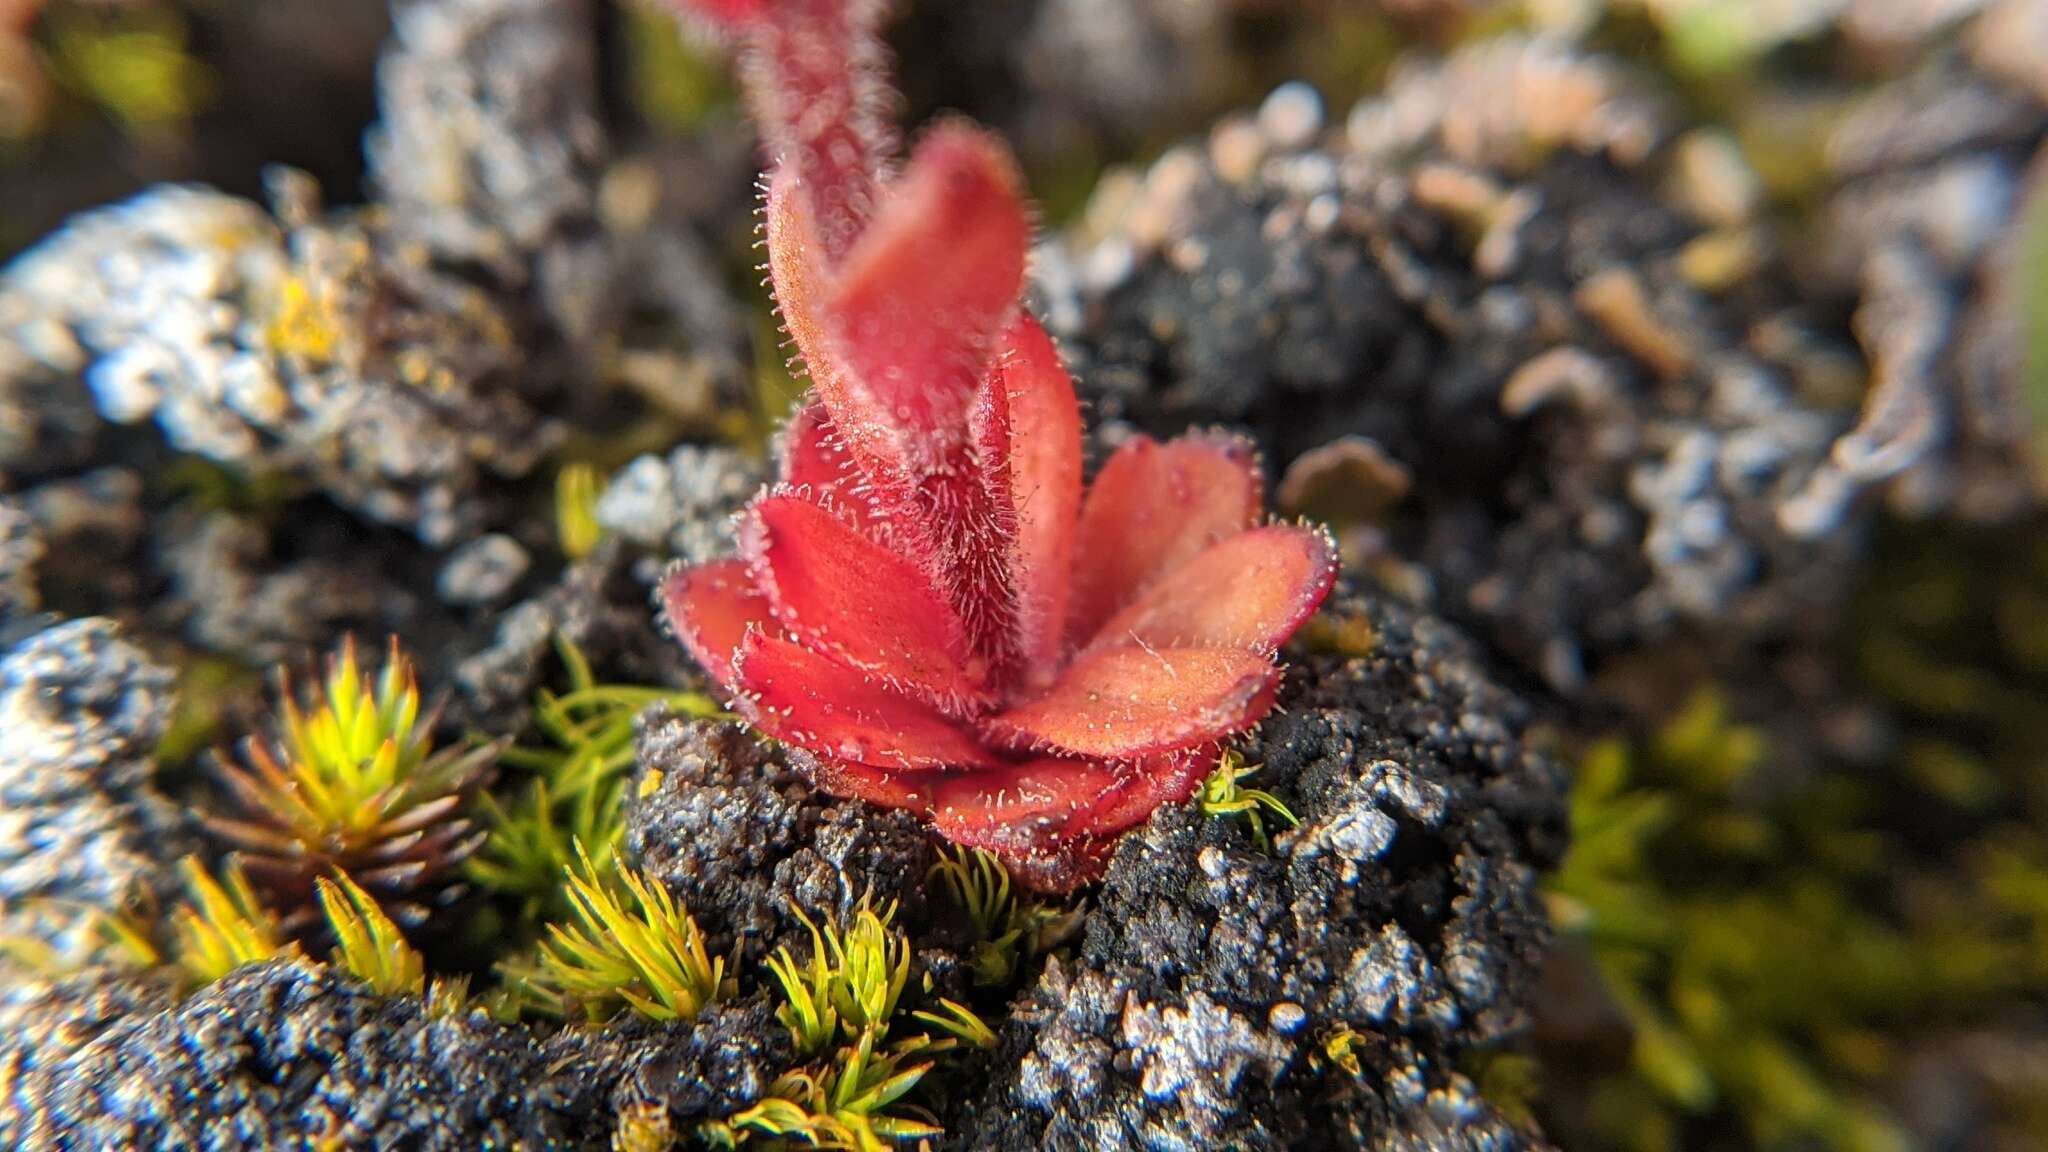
(672, 80)
(1779, 949)
(132, 63)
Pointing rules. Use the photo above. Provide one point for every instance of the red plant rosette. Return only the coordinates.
(928, 607)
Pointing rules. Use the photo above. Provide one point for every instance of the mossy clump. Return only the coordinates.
(354, 783)
(568, 790)
(1775, 951)
(629, 946)
(222, 926)
(1010, 926)
(844, 1010)
(367, 944)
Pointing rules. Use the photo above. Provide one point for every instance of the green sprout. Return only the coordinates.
(224, 926)
(850, 1104)
(638, 949)
(576, 494)
(961, 1023)
(1009, 927)
(575, 787)
(1224, 794)
(1340, 1049)
(368, 945)
(852, 982)
(839, 1006)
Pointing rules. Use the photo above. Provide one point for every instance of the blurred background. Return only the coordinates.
(1783, 925)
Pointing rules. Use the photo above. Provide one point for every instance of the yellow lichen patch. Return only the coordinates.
(307, 323)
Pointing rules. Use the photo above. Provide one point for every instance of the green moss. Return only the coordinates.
(567, 791)
(207, 685)
(1778, 947)
(629, 945)
(367, 944)
(222, 926)
(846, 1014)
(670, 81)
(1010, 928)
(134, 63)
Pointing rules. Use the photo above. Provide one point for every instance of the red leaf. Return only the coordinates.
(1124, 703)
(1144, 788)
(1036, 426)
(1062, 867)
(844, 594)
(802, 698)
(1018, 807)
(710, 607)
(812, 74)
(1153, 507)
(882, 786)
(815, 461)
(920, 299)
(1250, 591)
(924, 476)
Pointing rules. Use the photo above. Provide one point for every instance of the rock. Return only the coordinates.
(483, 571)
(305, 345)
(599, 604)
(681, 505)
(1485, 285)
(1404, 909)
(490, 144)
(231, 592)
(289, 1054)
(724, 823)
(82, 825)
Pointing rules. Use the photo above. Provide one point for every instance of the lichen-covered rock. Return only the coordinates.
(81, 822)
(1604, 404)
(291, 1054)
(681, 506)
(742, 839)
(311, 345)
(1201, 1009)
(491, 141)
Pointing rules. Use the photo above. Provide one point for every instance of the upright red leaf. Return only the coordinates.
(812, 73)
(921, 298)
(1036, 423)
